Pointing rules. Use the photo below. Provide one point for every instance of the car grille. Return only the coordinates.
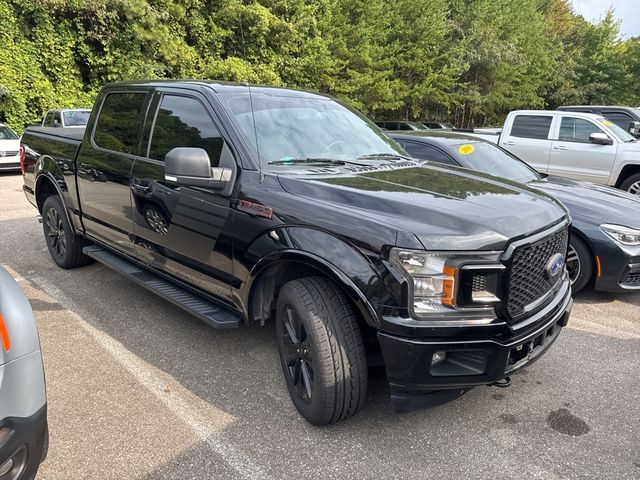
(6, 166)
(529, 281)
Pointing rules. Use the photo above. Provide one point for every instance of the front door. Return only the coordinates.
(104, 168)
(573, 155)
(184, 231)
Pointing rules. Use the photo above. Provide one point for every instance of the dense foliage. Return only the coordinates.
(469, 61)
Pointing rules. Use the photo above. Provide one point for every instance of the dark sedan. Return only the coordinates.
(605, 240)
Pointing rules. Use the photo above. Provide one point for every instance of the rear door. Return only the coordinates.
(184, 231)
(574, 156)
(104, 165)
(529, 139)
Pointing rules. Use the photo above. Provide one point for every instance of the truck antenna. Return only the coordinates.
(253, 116)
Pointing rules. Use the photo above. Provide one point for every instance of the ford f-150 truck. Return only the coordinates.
(246, 205)
(578, 145)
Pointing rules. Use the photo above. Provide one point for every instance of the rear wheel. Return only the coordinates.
(64, 246)
(579, 264)
(631, 184)
(321, 350)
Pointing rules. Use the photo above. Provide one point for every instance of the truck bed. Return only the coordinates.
(68, 135)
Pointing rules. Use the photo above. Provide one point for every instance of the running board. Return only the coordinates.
(209, 312)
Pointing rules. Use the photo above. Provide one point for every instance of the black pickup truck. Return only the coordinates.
(247, 205)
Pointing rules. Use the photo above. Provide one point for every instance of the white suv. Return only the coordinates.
(578, 145)
(9, 149)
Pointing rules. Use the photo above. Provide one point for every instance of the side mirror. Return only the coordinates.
(634, 129)
(191, 167)
(600, 139)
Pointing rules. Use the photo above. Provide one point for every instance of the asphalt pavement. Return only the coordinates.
(138, 389)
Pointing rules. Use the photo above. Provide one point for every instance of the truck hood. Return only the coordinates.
(599, 203)
(445, 208)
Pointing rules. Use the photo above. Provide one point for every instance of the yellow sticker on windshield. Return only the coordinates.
(607, 123)
(466, 149)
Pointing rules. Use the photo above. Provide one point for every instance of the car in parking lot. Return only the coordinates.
(66, 118)
(9, 149)
(400, 125)
(438, 125)
(246, 205)
(23, 405)
(605, 237)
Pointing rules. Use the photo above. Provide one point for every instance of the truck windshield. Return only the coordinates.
(7, 134)
(619, 132)
(76, 118)
(289, 128)
(487, 158)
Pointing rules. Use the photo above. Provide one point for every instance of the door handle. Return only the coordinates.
(509, 143)
(560, 147)
(140, 188)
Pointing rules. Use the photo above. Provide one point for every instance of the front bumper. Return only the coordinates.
(418, 379)
(619, 266)
(25, 444)
(10, 163)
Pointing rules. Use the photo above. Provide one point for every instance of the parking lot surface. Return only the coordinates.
(138, 389)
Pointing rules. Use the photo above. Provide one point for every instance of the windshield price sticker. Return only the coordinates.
(466, 149)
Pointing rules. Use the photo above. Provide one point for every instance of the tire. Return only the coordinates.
(321, 350)
(631, 184)
(580, 264)
(64, 246)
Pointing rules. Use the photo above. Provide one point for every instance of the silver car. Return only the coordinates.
(23, 405)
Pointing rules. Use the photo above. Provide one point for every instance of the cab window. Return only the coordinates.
(184, 122)
(531, 126)
(577, 130)
(119, 123)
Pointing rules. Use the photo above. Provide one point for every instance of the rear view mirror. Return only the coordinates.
(600, 139)
(191, 167)
(634, 129)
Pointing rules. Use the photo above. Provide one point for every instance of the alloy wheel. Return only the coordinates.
(297, 354)
(574, 266)
(634, 188)
(55, 231)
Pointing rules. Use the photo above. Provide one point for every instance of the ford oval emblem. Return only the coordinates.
(554, 266)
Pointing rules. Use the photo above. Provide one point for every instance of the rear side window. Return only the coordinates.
(120, 121)
(57, 119)
(48, 120)
(531, 126)
(427, 152)
(184, 122)
(576, 130)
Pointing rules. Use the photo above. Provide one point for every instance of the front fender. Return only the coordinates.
(348, 266)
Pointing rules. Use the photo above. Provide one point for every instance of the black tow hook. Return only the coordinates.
(504, 383)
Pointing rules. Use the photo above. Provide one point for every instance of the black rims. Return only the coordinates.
(297, 354)
(55, 232)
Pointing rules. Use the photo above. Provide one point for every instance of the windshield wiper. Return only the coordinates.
(313, 161)
(390, 156)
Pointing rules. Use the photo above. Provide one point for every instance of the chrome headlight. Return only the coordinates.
(434, 282)
(623, 235)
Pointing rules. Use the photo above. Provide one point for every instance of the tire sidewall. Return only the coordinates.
(586, 264)
(630, 181)
(315, 410)
(65, 260)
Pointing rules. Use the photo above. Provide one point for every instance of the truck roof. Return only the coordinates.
(219, 86)
(555, 112)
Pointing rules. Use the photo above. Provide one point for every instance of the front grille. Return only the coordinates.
(479, 283)
(529, 282)
(631, 279)
(4, 166)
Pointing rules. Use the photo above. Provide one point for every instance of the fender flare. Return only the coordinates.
(46, 175)
(316, 262)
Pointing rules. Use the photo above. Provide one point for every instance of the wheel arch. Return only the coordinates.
(47, 185)
(277, 268)
(626, 172)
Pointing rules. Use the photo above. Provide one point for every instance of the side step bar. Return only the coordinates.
(209, 312)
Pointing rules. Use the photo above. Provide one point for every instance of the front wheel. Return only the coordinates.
(579, 264)
(321, 350)
(631, 184)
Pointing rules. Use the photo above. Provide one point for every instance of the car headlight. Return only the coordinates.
(434, 279)
(623, 235)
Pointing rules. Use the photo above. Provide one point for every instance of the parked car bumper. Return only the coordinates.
(11, 163)
(428, 371)
(619, 266)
